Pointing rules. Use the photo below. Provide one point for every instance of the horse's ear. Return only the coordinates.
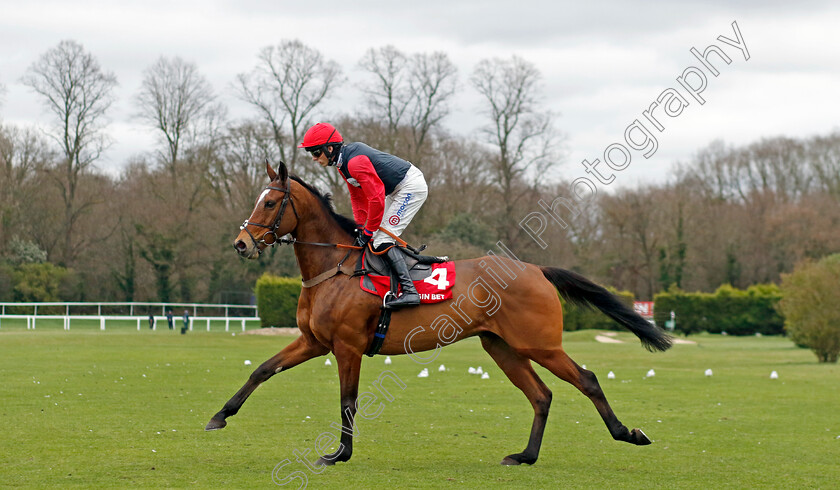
(270, 171)
(282, 172)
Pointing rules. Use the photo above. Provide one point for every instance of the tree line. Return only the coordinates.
(162, 229)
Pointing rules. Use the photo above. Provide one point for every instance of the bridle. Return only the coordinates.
(272, 229)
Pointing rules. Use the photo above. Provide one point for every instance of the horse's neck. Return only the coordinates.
(316, 226)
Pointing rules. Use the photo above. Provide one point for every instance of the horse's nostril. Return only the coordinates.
(240, 245)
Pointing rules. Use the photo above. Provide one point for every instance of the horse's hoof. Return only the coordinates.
(332, 459)
(517, 459)
(215, 424)
(324, 462)
(640, 438)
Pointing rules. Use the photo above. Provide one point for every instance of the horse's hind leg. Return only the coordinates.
(295, 353)
(559, 363)
(518, 369)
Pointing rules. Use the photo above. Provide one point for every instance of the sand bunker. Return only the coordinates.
(683, 341)
(272, 331)
(608, 340)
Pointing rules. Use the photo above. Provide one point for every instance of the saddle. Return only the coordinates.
(371, 265)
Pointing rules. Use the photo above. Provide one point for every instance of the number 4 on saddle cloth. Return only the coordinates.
(432, 276)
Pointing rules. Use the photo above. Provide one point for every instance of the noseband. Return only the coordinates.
(272, 229)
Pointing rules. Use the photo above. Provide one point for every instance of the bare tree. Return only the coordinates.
(180, 104)
(522, 133)
(388, 95)
(825, 163)
(173, 98)
(78, 94)
(239, 175)
(22, 153)
(412, 92)
(432, 84)
(288, 83)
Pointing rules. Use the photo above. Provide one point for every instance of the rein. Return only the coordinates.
(292, 241)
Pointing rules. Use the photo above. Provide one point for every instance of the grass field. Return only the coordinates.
(123, 408)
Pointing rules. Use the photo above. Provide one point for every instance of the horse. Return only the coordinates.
(512, 306)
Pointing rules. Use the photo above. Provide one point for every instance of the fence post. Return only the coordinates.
(227, 324)
(243, 324)
(208, 324)
(101, 323)
(138, 324)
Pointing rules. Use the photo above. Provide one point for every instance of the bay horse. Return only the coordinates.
(523, 323)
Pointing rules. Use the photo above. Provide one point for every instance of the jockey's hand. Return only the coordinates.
(362, 238)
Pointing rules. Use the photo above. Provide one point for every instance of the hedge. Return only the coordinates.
(730, 310)
(583, 318)
(277, 299)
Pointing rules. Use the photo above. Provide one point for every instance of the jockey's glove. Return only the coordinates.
(362, 238)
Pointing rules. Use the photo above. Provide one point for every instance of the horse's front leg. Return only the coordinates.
(349, 363)
(302, 349)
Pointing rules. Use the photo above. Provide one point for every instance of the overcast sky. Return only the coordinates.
(602, 63)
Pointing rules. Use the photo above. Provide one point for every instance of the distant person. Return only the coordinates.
(151, 321)
(186, 322)
(170, 319)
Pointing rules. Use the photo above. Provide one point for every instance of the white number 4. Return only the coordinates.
(438, 278)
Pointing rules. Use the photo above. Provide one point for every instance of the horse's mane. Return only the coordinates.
(345, 223)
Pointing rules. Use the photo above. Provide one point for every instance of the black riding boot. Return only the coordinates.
(409, 296)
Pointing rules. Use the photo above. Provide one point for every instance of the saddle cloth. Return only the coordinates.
(433, 281)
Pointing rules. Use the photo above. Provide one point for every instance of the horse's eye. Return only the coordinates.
(270, 204)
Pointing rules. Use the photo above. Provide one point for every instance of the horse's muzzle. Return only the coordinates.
(244, 250)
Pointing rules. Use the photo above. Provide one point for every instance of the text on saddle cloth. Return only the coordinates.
(433, 285)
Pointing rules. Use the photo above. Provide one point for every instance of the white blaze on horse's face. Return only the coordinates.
(259, 205)
(260, 200)
(247, 238)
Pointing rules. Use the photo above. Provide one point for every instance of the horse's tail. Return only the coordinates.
(583, 292)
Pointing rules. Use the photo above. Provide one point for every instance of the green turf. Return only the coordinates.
(123, 408)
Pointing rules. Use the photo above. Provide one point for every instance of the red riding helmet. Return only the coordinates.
(321, 134)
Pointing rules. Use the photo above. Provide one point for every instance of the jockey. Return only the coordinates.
(381, 186)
